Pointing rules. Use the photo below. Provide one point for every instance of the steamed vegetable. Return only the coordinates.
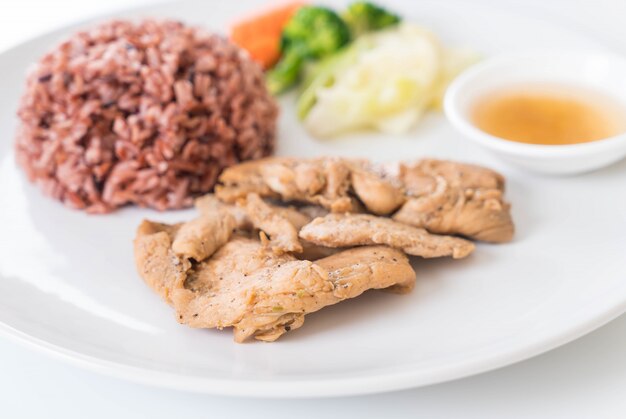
(285, 74)
(323, 74)
(260, 34)
(363, 16)
(312, 33)
(385, 80)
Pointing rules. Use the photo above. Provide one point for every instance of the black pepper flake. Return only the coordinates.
(45, 78)
(287, 328)
(195, 315)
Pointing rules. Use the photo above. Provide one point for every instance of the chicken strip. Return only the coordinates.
(297, 217)
(264, 295)
(246, 286)
(210, 205)
(440, 196)
(324, 182)
(281, 224)
(345, 230)
(380, 195)
(244, 178)
(453, 198)
(202, 236)
(156, 262)
(354, 271)
(155, 244)
(254, 290)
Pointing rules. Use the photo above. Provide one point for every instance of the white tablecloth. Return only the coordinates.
(585, 379)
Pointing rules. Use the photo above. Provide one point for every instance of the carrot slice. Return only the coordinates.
(260, 33)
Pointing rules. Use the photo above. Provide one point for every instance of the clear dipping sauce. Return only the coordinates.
(552, 115)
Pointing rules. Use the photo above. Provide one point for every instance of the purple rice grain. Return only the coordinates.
(145, 113)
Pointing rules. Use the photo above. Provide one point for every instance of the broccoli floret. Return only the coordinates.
(363, 16)
(285, 73)
(313, 32)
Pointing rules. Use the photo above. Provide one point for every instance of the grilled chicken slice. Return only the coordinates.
(209, 205)
(279, 223)
(215, 275)
(156, 262)
(354, 271)
(163, 252)
(294, 216)
(440, 196)
(240, 180)
(249, 287)
(380, 195)
(201, 237)
(264, 295)
(256, 291)
(345, 230)
(453, 198)
(324, 182)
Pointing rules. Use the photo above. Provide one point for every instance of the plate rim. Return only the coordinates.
(311, 388)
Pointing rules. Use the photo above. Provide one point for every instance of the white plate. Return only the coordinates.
(68, 284)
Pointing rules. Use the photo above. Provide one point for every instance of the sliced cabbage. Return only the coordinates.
(383, 81)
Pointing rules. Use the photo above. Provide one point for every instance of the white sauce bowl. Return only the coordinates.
(602, 72)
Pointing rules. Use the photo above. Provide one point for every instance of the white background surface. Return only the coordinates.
(584, 379)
